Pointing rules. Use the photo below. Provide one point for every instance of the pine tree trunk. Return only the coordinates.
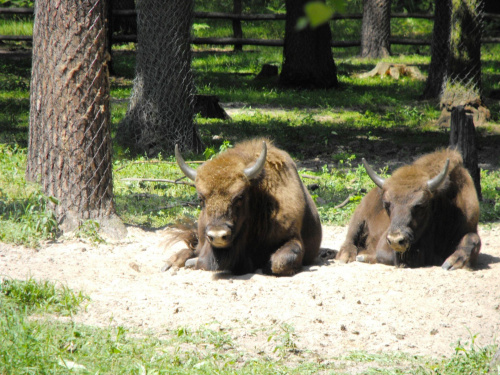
(307, 55)
(161, 108)
(455, 69)
(69, 148)
(376, 29)
(440, 50)
(463, 85)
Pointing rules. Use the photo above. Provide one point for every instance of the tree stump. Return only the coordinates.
(267, 71)
(463, 138)
(208, 106)
(394, 70)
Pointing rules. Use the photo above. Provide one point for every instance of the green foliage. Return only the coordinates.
(472, 360)
(17, 3)
(89, 230)
(34, 296)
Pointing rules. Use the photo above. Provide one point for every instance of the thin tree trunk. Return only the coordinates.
(69, 148)
(307, 55)
(237, 30)
(376, 29)
(463, 137)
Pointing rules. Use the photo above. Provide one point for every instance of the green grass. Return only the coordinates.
(34, 342)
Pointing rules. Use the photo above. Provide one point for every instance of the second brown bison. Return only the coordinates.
(255, 213)
(426, 213)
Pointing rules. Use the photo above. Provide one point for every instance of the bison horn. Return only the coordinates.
(379, 181)
(187, 170)
(254, 170)
(435, 182)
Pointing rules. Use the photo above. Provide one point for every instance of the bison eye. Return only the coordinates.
(201, 198)
(387, 207)
(238, 200)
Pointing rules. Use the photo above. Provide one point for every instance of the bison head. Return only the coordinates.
(407, 198)
(223, 186)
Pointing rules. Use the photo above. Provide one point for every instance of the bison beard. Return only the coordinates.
(256, 213)
(426, 213)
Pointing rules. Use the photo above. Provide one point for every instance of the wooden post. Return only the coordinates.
(463, 138)
(237, 31)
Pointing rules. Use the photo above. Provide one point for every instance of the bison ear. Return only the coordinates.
(187, 170)
(379, 181)
(254, 170)
(436, 182)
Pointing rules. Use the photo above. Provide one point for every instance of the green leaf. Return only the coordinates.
(317, 13)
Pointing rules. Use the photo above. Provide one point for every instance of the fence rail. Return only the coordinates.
(252, 17)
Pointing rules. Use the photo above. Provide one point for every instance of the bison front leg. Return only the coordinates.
(287, 260)
(465, 254)
(179, 259)
(349, 249)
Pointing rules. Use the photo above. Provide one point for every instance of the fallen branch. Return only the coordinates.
(184, 204)
(311, 177)
(155, 162)
(178, 181)
(345, 202)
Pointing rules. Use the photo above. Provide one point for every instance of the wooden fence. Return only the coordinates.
(238, 17)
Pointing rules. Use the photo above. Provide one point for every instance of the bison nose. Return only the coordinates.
(398, 242)
(219, 237)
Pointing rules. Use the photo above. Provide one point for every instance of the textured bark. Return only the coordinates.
(440, 50)
(161, 108)
(455, 69)
(69, 149)
(376, 29)
(307, 54)
(463, 137)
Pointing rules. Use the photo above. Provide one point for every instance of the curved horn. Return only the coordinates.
(435, 182)
(379, 181)
(254, 170)
(187, 170)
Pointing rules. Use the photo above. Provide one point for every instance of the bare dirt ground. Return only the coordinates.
(334, 308)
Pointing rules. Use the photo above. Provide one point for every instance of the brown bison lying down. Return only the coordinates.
(426, 213)
(255, 213)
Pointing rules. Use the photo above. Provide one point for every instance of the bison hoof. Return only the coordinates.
(361, 258)
(190, 263)
(166, 267)
(447, 266)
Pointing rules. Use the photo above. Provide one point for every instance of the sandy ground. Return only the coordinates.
(334, 308)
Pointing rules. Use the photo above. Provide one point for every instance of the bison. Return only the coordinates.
(255, 213)
(426, 213)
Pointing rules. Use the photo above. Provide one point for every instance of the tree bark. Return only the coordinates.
(307, 55)
(463, 137)
(69, 148)
(161, 108)
(376, 29)
(455, 69)
(440, 50)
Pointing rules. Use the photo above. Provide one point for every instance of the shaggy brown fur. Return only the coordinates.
(406, 224)
(267, 222)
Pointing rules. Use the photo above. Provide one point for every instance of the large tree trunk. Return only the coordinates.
(463, 85)
(307, 55)
(440, 50)
(455, 69)
(161, 108)
(69, 149)
(376, 29)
